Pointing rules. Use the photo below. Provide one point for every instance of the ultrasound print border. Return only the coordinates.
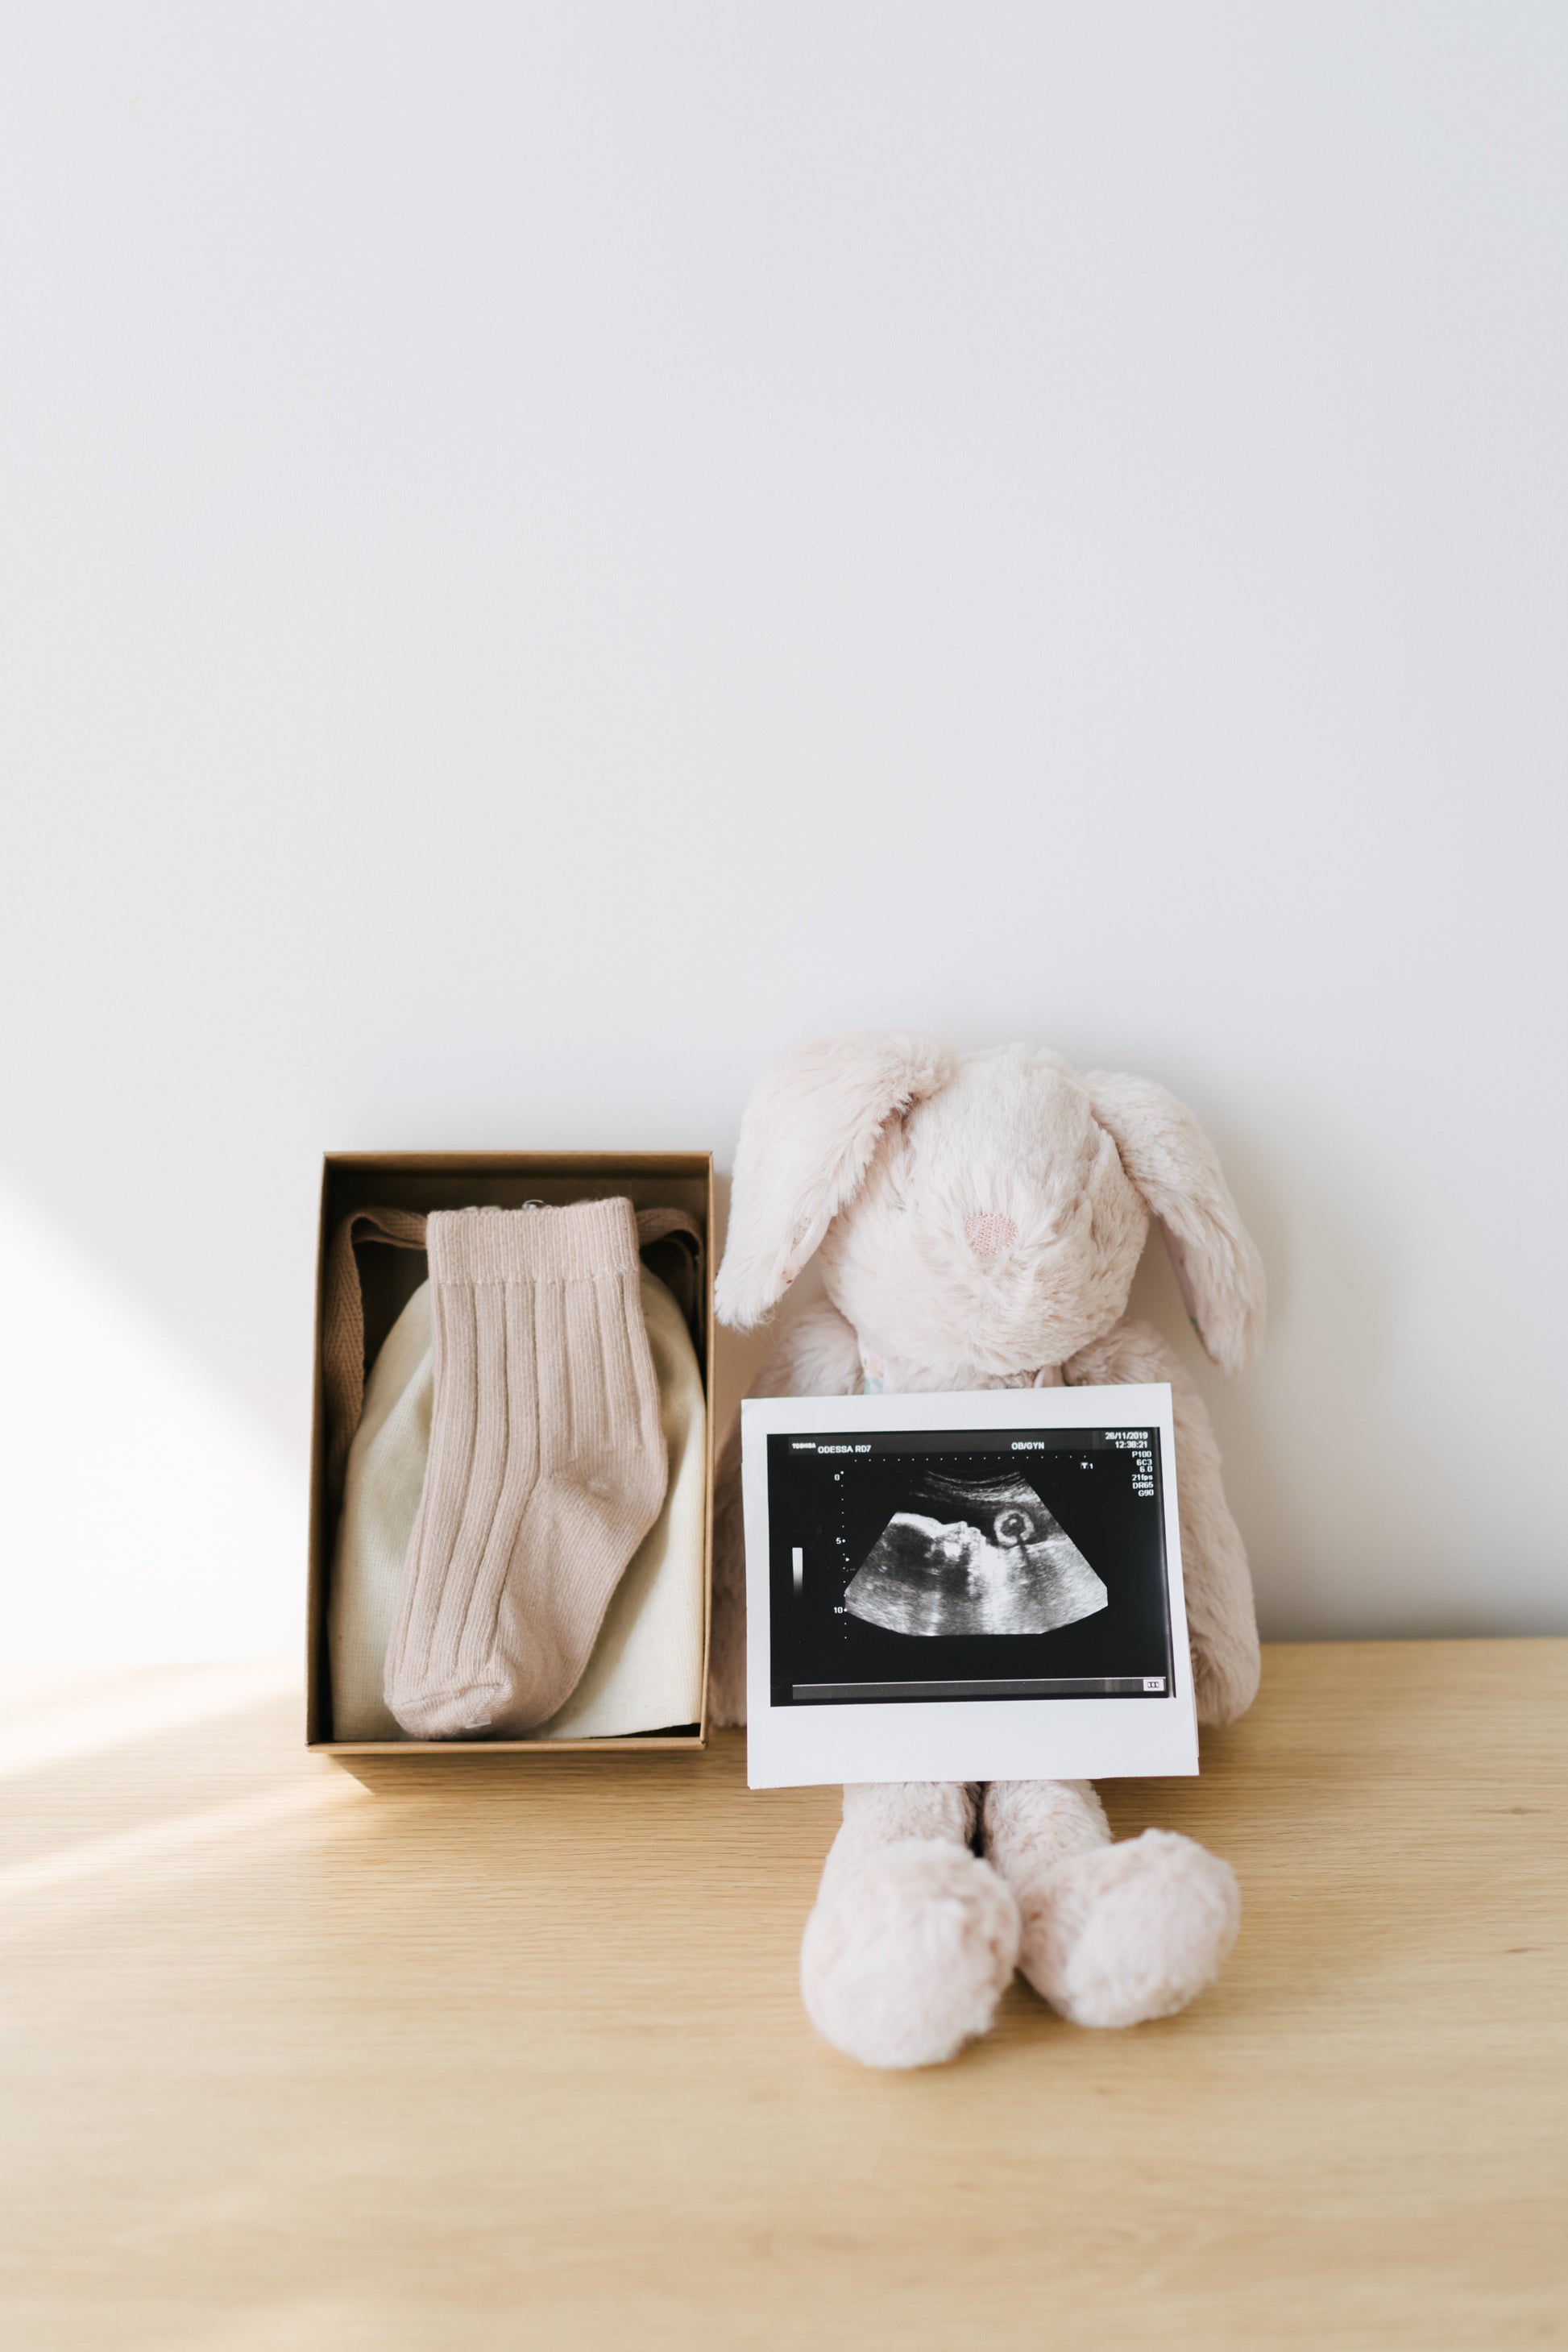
(1129, 1734)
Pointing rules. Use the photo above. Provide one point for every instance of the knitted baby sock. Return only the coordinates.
(547, 1464)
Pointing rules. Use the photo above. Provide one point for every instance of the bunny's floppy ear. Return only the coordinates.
(1171, 1162)
(808, 1135)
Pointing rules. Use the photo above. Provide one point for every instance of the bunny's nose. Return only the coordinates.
(987, 1234)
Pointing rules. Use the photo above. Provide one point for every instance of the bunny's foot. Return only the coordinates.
(905, 1958)
(1130, 1932)
(1112, 1935)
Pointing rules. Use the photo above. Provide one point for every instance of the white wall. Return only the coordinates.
(550, 552)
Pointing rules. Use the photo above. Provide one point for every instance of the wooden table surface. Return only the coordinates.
(502, 2054)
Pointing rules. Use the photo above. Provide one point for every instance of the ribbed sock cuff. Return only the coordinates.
(584, 1239)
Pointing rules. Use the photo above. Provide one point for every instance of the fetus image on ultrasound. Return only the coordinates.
(974, 1555)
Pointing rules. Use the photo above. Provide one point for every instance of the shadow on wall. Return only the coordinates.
(151, 1516)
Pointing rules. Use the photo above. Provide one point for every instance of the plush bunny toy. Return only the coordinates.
(980, 1219)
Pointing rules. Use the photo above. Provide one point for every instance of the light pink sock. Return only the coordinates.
(547, 1464)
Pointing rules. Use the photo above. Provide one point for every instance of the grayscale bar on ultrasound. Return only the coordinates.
(1034, 1686)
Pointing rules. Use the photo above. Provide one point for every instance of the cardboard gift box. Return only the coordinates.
(423, 1180)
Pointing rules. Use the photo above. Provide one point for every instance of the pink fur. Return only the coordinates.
(1111, 1935)
(979, 1221)
(913, 1939)
(810, 1131)
(1172, 1163)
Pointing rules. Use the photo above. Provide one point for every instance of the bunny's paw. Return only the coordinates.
(1129, 1932)
(906, 1961)
(1225, 1678)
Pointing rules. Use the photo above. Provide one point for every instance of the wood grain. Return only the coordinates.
(491, 2055)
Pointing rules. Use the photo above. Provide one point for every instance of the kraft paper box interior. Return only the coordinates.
(503, 1180)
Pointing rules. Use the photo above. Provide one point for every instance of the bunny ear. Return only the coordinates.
(809, 1133)
(1173, 1164)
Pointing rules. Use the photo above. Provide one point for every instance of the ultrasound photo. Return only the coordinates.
(974, 1555)
(966, 1564)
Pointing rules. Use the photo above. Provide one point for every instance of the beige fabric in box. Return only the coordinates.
(644, 1672)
